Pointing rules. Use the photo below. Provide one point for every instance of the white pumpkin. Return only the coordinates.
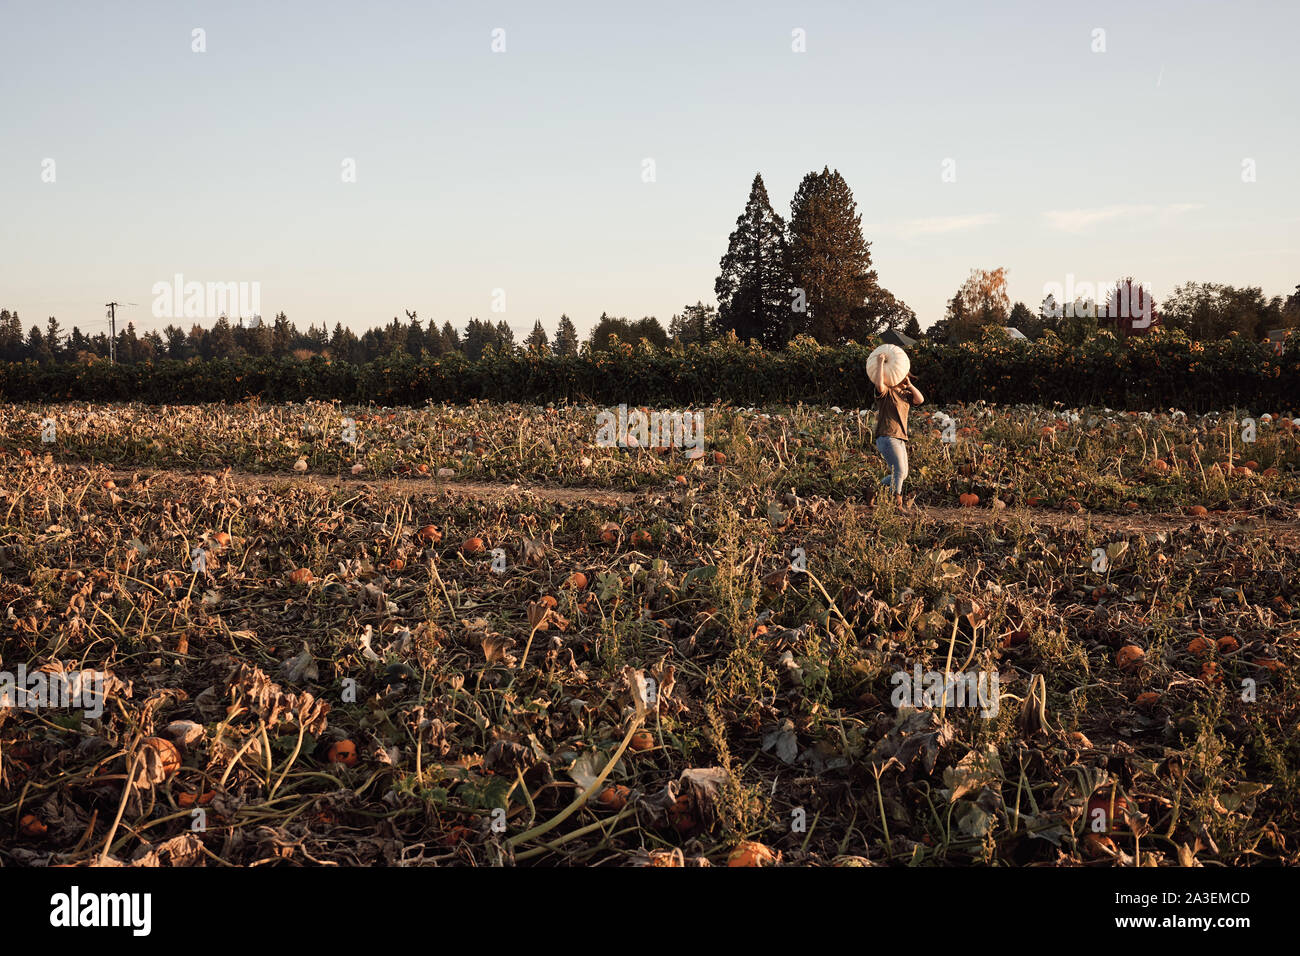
(895, 369)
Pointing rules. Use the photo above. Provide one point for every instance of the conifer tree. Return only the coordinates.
(754, 288)
(831, 261)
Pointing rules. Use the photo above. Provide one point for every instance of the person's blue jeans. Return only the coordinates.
(894, 451)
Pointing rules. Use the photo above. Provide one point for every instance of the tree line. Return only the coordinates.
(810, 276)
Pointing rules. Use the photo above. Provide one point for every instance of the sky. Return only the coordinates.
(517, 161)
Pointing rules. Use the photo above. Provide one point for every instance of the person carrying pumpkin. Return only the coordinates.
(893, 401)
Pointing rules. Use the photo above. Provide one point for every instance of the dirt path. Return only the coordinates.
(1281, 531)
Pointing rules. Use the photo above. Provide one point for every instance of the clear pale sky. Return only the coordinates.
(523, 170)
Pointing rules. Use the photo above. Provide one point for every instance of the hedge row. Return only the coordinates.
(1159, 371)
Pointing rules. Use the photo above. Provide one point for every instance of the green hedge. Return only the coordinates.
(1158, 371)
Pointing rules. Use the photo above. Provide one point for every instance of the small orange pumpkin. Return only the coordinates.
(342, 751)
(750, 853)
(614, 797)
(168, 756)
(1105, 807)
(1129, 657)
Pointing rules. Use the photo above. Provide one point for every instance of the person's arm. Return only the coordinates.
(880, 375)
(917, 397)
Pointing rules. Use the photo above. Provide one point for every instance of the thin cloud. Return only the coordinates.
(1077, 220)
(939, 225)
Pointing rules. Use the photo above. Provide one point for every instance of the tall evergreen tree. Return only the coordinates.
(413, 338)
(175, 339)
(831, 261)
(152, 345)
(221, 340)
(693, 324)
(754, 288)
(537, 340)
(36, 347)
(566, 337)
(281, 336)
(478, 336)
(77, 344)
(11, 336)
(433, 339)
(505, 337)
(450, 338)
(54, 338)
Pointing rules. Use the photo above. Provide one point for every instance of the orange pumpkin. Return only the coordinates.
(642, 740)
(577, 581)
(472, 546)
(301, 576)
(1129, 657)
(968, 500)
(749, 853)
(342, 751)
(614, 797)
(1105, 809)
(682, 815)
(430, 534)
(168, 756)
(642, 539)
(32, 826)
(186, 800)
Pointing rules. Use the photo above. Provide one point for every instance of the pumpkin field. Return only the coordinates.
(474, 635)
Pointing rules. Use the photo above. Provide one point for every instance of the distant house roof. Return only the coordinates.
(1015, 333)
(891, 337)
(1277, 335)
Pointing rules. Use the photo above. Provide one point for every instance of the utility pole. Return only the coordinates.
(112, 331)
(112, 327)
